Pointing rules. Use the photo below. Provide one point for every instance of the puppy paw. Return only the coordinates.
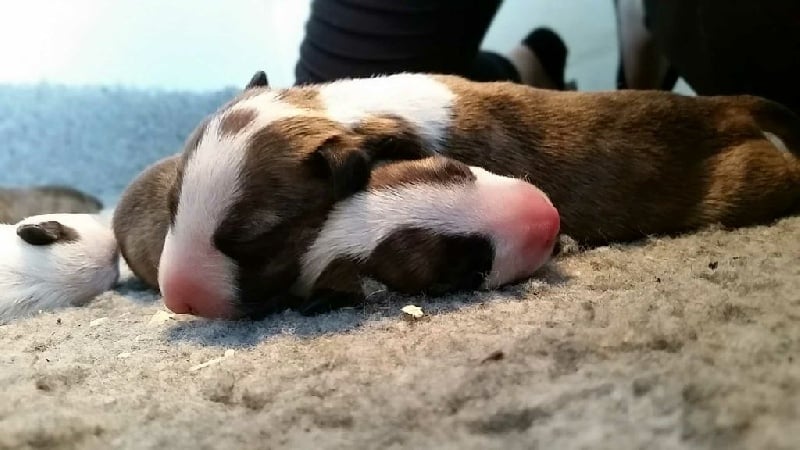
(324, 301)
(46, 233)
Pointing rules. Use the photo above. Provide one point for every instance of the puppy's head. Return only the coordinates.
(435, 225)
(255, 180)
(54, 260)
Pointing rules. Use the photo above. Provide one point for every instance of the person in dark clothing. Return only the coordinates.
(719, 47)
(363, 38)
(732, 47)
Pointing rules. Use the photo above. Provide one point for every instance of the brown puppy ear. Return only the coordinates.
(348, 159)
(259, 79)
(348, 167)
(390, 138)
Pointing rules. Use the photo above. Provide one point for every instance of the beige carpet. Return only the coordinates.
(691, 342)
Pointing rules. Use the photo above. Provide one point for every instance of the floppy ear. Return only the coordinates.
(347, 166)
(259, 79)
(348, 160)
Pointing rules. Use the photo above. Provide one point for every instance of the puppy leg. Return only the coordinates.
(338, 287)
(752, 183)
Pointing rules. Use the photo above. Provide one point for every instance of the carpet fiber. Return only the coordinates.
(687, 342)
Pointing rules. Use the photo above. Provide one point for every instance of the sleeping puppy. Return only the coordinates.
(617, 165)
(432, 225)
(19, 203)
(54, 260)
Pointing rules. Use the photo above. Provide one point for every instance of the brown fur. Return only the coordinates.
(626, 164)
(234, 121)
(302, 97)
(141, 218)
(19, 203)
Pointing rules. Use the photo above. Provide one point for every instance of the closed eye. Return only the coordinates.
(246, 248)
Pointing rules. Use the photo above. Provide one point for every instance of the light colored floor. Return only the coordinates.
(191, 45)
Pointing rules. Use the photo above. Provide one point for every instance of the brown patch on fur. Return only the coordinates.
(420, 261)
(433, 170)
(274, 168)
(283, 163)
(388, 137)
(235, 120)
(141, 219)
(47, 233)
(303, 97)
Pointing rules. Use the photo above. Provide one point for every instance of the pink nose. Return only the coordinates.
(544, 224)
(186, 295)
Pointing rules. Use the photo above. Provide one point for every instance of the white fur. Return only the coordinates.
(34, 278)
(417, 98)
(357, 225)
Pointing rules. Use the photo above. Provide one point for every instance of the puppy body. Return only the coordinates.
(262, 173)
(54, 260)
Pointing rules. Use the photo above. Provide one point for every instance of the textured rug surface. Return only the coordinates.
(687, 342)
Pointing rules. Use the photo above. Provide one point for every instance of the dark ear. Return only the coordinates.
(349, 161)
(348, 167)
(259, 79)
(45, 233)
(390, 138)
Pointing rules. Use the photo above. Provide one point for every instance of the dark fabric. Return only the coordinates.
(728, 47)
(491, 66)
(356, 38)
(551, 51)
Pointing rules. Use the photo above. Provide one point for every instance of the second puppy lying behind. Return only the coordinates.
(431, 225)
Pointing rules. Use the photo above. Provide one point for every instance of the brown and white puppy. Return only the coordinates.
(431, 225)
(19, 203)
(52, 261)
(259, 175)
